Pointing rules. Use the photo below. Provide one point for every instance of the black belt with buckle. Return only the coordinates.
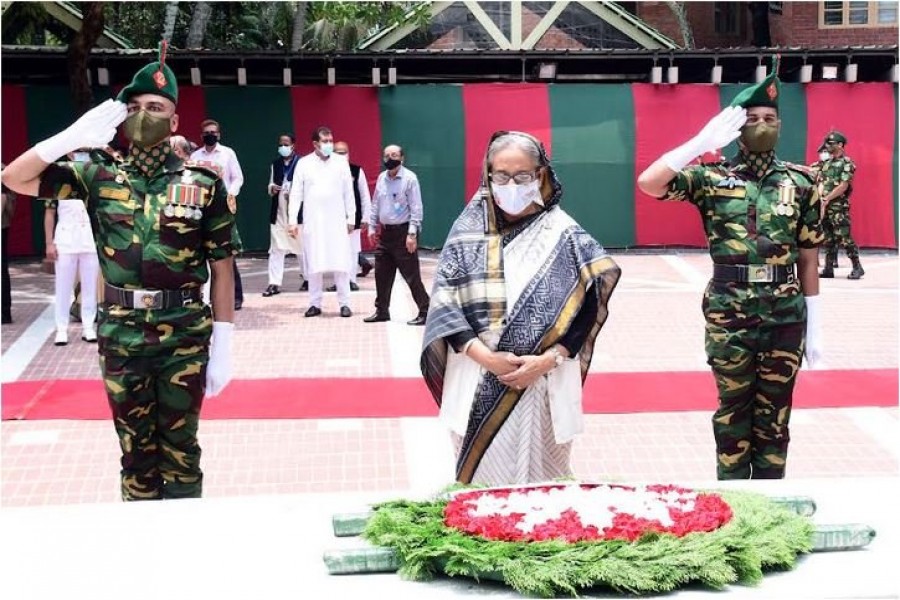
(754, 273)
(153, 299)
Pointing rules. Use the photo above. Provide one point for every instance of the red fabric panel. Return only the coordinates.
(666, 116)
(865, 113)
(15, 141)
(353, 115)
(490, 107)
(191, 112)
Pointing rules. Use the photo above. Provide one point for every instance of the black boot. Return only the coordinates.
(834, 263)
(828, 271)
(857, 271)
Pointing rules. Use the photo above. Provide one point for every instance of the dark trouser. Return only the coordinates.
(391, 256)
(238, 286)
(7, 293)
(755, 370)
(155, 404)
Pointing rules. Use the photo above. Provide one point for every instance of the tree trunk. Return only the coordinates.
(199, 21)
(79, 51)
(169, 22)
(687, 34)
(298, 27)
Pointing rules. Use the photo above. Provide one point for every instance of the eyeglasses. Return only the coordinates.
(523, 177)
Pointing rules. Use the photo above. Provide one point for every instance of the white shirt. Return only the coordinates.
(225, 157)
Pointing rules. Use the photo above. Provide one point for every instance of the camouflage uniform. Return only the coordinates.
(836, 221)
(755, 332)
(153, 361)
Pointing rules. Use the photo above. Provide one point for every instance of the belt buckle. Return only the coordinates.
(759, 273)
(186, 297)
(147, 298)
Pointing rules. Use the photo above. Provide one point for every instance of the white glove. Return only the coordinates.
(721, 130)
(813, 331)
(94, 129)
(218, 371)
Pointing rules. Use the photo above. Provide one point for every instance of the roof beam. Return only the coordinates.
(384, 40)
(630, 25)
(515, 25)
(549, 19)
(488, 24)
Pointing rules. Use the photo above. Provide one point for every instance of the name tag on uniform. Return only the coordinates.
(115, 193)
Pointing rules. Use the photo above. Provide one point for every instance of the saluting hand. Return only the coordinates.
(94, 129)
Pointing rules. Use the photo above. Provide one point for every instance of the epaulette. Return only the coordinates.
(204, 166)
(808, 172)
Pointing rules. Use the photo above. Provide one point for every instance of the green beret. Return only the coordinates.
(764, 93)
(835, 136)
(155, 78)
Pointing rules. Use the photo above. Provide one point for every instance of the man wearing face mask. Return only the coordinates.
(158, 222)
(761, 218)
(837, 184)
(321, 198)
(225, 159)
(397, 208)
(281, 243)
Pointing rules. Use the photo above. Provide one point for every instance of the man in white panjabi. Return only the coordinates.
(322, 197)
(281, 243)
(520, 294)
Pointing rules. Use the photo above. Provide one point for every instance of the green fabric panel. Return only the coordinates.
(593, 155)
(251, 119)
(792, 110)
(50, 110)
(427, 120)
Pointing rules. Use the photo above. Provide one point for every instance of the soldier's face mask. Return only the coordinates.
(146, 130)
(760, 137)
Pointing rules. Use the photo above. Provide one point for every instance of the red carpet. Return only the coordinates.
(342, 398)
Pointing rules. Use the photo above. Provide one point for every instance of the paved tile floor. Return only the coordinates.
(655, 325)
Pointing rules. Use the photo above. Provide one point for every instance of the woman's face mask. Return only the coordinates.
(514, 198)
(145, 131)
(760, 137)
(285, 151)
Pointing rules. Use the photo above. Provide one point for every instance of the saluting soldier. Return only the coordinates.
(837, 184)
(156, 221)
(761, 218)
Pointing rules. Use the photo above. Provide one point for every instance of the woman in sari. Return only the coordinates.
(520, 294)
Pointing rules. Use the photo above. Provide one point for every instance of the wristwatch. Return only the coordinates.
(557, 357)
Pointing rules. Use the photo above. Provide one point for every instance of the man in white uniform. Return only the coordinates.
(322, 195)
(281, 173)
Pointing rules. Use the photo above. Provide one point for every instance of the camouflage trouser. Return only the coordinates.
(155, 402)
(836, 226)
(754, 369)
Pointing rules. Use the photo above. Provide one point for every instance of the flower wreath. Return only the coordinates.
(564, 539)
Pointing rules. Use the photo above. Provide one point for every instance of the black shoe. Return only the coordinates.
(304, 287)
(827, 272)
(346, 312)
(313, 311)
(354, 287)
(331, 288)
(7, 319)
(419, 320)
(366, 267)
(377, 318)
(271, 291)
(857, 271)
(238, 304)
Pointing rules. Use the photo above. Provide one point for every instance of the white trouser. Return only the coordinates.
(355, 248)
(87, 266)
(276, 266)
(341, 281)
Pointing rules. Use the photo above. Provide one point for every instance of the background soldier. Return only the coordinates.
(761, 217)
(156, 222)
(837, 185)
